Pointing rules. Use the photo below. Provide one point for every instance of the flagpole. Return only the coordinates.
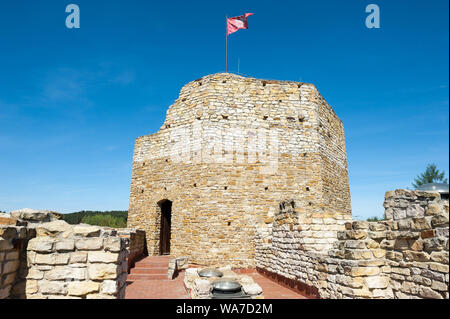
(226, 44)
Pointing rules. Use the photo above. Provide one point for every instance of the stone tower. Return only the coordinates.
(231, 148)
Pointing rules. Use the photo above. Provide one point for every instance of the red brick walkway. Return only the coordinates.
(157, 289)
(273, 290)
(148, 280)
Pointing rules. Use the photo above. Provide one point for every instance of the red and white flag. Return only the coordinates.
(236, 23)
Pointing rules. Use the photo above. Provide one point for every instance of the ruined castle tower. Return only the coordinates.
(231, 148)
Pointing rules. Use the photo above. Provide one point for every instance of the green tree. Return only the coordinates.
(431, 175)
(75, 218)
(104, 220)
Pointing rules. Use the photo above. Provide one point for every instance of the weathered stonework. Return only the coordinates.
(55, 260)
(220, 194)
(404, 256)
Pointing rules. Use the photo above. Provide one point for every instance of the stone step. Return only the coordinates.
(150, 270)
(135, 277)
(149, 264)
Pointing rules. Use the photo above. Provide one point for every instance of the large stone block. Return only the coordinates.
(252, 289)
(53, 229)
(439, 220)
(81, 288)
(433, 209)
(31, 287)
(89, 244)
(33, 215)
(7, 232)
(65, 245)
(103, 271)
(52, 287)
(387, 293)
(10, 266)
(41, 244)
(103, 257)
(5, 244)
(427, 292)
(34, 273)
(364, 271)
(438, 267)
(65, 272)
(202, 286)
(109, 287)
(441, 256)
(86, 231)
(78, 257)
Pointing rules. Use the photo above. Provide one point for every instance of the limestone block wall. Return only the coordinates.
(404, 256)
(217, 203)
(80, 261)
(282, 248)
(12, 250)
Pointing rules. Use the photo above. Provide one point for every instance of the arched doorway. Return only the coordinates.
(164, 235)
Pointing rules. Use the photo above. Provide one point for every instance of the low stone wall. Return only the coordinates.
(404, 256)
(137, 244)
(57, 260)
(78, 261)
(10, 252)
(417, 244)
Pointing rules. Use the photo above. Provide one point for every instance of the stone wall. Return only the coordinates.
(13, 241)
(417, 245)
(49, 260)
(9, 263)
(218, 200)
(404, 256)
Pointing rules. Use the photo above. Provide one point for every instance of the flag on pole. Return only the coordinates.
(237, 23)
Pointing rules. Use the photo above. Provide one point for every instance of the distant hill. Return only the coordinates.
(114, 218)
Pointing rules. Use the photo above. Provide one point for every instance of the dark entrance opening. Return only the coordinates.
(164, 235)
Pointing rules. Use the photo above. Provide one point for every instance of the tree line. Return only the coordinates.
(114, 219)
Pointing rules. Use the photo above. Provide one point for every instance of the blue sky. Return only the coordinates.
(72, 101)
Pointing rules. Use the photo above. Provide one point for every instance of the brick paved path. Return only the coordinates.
(148, 280)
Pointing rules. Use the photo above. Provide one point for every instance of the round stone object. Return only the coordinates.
(224, 285)
(210, 272)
